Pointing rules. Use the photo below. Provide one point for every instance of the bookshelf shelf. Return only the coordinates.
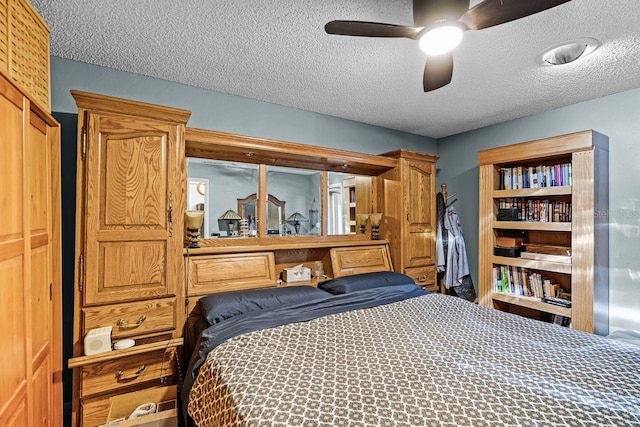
(585, 276)
(530, 302)
(532, 264)
(533, 192)
(532, 225)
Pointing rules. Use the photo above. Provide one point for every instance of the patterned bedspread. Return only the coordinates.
(433, 360)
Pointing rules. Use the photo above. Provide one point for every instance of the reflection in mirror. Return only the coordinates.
(300, 188)
(275, 212)
(197, 199)
(227, 181)
(347, 196)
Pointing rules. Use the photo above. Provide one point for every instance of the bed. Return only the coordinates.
(377, 350)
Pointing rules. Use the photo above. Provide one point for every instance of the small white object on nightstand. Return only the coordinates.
(98, 340)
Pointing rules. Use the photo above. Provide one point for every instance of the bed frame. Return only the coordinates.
(214, 270)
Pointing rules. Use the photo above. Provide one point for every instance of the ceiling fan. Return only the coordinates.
(439, 27)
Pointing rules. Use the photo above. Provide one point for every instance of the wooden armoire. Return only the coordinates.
(129, 248)
(30, 225)
(407, 199)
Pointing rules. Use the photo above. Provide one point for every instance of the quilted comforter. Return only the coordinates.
(430, 360)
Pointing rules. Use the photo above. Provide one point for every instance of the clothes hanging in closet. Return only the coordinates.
(451, 253)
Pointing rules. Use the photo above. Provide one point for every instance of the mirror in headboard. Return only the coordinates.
(347, 196)
(314, 192)
(301, 188)
(224, 182)
(198, 198)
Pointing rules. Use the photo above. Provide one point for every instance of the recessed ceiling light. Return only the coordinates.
(566, 52)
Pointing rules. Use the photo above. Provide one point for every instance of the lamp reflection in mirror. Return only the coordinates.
(362, 222)
(375, 219)
(231, 217)
(193, 222)
(295, 219)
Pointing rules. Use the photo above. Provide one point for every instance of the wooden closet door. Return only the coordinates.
(129, 227)
(40, 206)
(30, 312)
(15, 376)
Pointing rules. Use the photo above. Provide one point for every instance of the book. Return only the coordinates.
(556, 301)
(561, 320)
(564, 259)
(510, 242)
(549, 249)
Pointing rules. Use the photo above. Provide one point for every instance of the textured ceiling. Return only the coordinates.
(277, 51)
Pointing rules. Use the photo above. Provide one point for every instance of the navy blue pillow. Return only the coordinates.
(358, 282)
(224, 305)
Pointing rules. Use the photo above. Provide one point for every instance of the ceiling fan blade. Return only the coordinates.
(495, 12)
(426, 12)
(438, 71)
(369, 29)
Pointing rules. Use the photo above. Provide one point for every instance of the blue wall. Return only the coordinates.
(617, 116)
(228, 113)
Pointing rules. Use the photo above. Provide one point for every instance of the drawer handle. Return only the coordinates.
(422, 278)
(122, 324)
(121, 377)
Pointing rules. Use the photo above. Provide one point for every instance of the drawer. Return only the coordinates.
(134, 318)
(121, 406)
(361, 259)
(127, 371)
(96, 410)
(219, 273)
(423, 276)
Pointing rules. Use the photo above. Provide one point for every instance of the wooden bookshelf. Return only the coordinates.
(586, 276)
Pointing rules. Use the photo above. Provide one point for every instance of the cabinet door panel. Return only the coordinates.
(130, 270)
(17, 417)
(41, 392)
(13, 337)
(421, 189)
(38, 161)
(11, 170)
(134, 181)
(40, 302)
(420, 232)
(130, 236)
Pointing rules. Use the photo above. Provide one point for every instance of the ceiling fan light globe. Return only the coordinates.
(441, 39)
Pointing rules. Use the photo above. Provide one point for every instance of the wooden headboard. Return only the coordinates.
(209, 273)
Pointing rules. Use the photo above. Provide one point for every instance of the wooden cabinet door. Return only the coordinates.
(419, 233)
(40, 150)
(131, 242)
(31, 356)
(13, 264)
